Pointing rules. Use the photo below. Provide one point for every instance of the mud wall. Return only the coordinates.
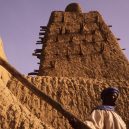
(13, 115)
(4, 75)
(78, 95)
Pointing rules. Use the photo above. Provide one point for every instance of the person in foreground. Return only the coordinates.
(104, 116)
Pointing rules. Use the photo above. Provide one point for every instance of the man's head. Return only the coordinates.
(109, 96)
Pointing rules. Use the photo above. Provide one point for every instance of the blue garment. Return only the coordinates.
(104, 107)
(109, 90)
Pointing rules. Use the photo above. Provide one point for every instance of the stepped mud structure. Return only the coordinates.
(79, 57)
(77, 44)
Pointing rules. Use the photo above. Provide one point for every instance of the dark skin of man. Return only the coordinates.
(108, 100)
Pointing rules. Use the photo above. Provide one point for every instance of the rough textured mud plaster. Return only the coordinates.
(78, 95)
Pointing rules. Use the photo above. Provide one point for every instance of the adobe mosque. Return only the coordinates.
(79, 56)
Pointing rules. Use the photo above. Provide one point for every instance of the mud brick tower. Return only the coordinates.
(77, 44)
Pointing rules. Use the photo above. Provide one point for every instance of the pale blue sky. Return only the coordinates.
(20, 22)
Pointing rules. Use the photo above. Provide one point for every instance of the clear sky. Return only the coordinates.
(20, 22)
